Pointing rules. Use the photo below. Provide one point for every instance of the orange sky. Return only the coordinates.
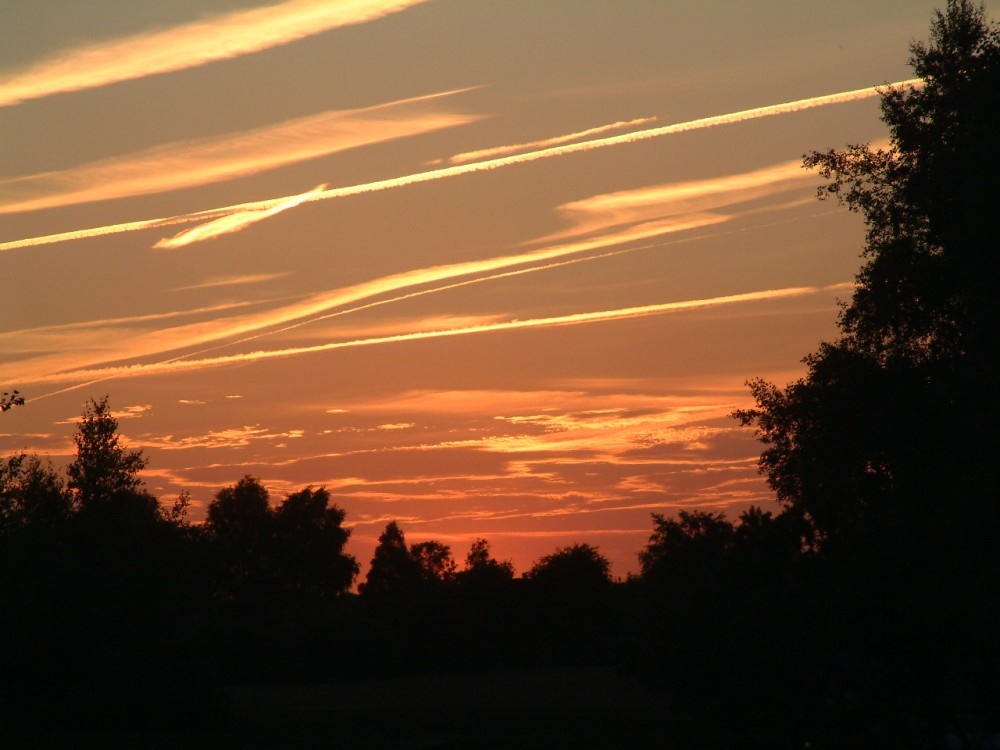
(492, 269)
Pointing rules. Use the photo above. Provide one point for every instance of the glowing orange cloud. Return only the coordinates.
(193, 163)
(600, 212)
(444, 172)
(220, 37)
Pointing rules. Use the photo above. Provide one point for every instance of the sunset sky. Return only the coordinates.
(492, 268)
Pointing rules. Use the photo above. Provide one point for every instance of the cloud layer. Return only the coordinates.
(478, 166)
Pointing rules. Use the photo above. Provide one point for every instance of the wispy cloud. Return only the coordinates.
(89, 348)
(218, 37)
(241, 280)
(128, 412)
(233, 222)
(185, 164)
(489, 164)
(341, 301)
(686, 199)
(233, 437)
(182, 365)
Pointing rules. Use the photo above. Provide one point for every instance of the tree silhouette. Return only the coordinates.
(309, 540)
(569, 595)
(576, 570)
(899, 412)
(392, 568)
(10, 400)
(434, 561)
(691, 547)
(32, 494)
(103, 467)
(482, 570)
(239, 520)
(886, 448)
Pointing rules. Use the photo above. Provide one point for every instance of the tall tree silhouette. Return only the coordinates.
(482, 570)
(392, 568)
(239, 520)
(887, 446)
(103, 467)
(899, 412)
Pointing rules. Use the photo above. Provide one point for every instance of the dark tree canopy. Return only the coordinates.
(685, 547)
(297, 547)
(434, 561)
(898, 414)
(576, 569)
(929, 280)
(239, 516)
(392, 567)
(32, 494)
(309, 544)
(482, 569)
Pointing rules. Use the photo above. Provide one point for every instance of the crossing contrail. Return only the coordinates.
(188, 365)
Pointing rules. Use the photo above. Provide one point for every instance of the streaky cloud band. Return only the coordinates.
(188, 365)
(731, 118)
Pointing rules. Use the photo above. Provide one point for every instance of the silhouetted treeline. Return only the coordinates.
(116, 608)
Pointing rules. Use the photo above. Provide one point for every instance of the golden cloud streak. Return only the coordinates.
(188, 365)
(202, 162)
(453, 171)
(219, 37)
(692, 198)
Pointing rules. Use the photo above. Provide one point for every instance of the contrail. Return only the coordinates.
(233, 222)
(375, 287)
(178, 365)
(486, 153)
(731, 118)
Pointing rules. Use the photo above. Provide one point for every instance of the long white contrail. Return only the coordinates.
(731, 118)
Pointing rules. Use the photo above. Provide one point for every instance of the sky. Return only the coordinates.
(490, 269)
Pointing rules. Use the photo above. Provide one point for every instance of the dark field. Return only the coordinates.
(579, 707)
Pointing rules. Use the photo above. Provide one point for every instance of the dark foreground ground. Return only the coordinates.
(522, 709)
(587, 707)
